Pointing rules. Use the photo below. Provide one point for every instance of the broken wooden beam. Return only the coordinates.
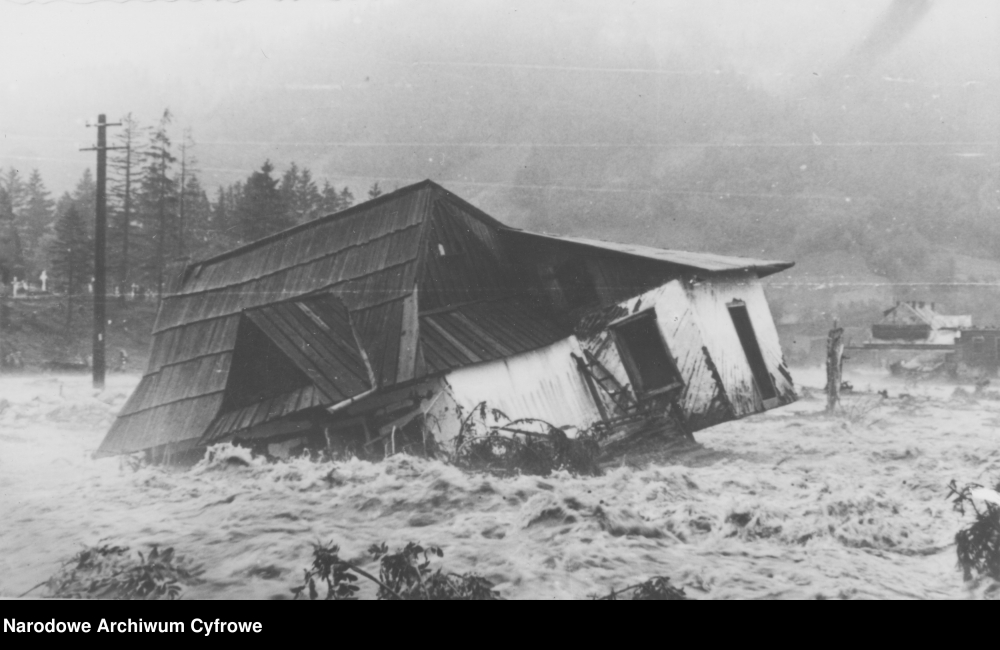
(834, 365)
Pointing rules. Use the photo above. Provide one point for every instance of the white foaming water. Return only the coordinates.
(789, 504)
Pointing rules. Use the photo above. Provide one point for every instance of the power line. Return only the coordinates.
(550, 145)
(559, 68)
(590, 145)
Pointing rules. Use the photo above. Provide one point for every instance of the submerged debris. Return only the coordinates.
(490, 441)
(656, 588)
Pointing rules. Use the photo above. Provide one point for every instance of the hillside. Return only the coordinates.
(37, 328)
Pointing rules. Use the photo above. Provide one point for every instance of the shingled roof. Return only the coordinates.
(700, 261)
(413, 283)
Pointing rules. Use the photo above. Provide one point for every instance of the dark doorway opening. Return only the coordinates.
(748, 339)
(259, 369)
(645, 355)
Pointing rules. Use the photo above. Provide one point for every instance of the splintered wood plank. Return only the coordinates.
(410, 329)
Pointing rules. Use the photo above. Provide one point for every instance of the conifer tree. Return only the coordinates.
(346, 198)
(11, 259)
(158, 203)
(85, 196)
(36, 220)
(300, 195)
(260, 210)
(307, 197)
(71, 253)
(329, 199)
(374, 191)
(198, 218)
(125, 177)
(15, 189)
(187, 172)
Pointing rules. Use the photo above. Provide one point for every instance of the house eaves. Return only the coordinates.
(699, 261)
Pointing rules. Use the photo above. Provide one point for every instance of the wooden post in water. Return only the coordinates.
(834, 366)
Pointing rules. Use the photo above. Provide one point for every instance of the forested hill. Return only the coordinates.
(872, 131)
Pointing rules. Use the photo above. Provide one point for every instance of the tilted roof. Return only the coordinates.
(701, 261)
(366, 255)
(413, 283)
(926, 313)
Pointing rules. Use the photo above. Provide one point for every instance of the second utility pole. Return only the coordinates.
(100, 236)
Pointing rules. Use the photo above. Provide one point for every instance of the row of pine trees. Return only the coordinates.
(158, 212)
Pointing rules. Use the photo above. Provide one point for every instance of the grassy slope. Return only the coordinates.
(36, 327)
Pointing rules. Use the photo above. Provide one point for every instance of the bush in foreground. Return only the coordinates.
(407, 575)
(108, 571)
(978, 544)
(403, 575)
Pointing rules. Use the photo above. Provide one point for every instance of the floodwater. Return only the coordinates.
(788, 504)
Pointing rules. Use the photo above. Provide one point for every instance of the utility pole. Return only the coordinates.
(100, 235)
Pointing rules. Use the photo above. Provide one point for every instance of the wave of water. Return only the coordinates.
(790, 504)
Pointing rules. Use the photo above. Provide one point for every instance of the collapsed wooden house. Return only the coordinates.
(404, 310)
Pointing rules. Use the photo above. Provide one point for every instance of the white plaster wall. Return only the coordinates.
(710, 300)
(543, 383)
(694, 318)
(678, 324)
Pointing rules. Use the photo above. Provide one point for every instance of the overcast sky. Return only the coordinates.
(238, 73)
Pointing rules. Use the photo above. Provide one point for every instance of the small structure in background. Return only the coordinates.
(364, 330)
(918, 323)
(916, 339)
(977, 351)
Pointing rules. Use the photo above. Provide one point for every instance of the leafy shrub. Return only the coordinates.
(108, 571)
(978, 544)
(330, 569)
(407, 575)
(404, 575)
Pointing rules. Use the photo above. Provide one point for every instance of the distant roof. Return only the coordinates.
(926, 313)
(701, 261)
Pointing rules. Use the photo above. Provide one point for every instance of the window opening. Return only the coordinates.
(645, 355)
(751, 348)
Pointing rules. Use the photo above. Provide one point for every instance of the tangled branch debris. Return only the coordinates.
(656, 588)
(490, 441)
